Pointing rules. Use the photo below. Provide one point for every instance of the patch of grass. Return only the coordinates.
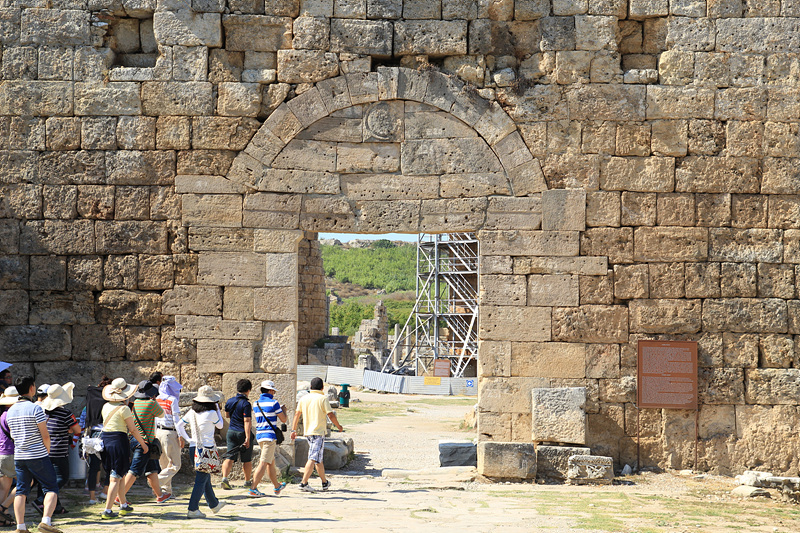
(601, 523)
(363, 413)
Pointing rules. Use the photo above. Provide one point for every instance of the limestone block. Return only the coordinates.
(664, 102)
(564, 210)
(221, 240)
(231, 269)
(142, 343)
(558, 33)
(553, 461)
(298, 181)
(772, 386)
(192, 300)
(531, 9)
(780, 176)
(130, 167)
(204, 327)
(533, 243)
(434, 38)
(319, 156)
(522, 213)
(745, 245)
(14, 308)
(596, 32)
(740, 350)
(219, 210)
(278, 352)
(128, 308)
(277, 241)
(177, 98)
(311, 33)
(590, 323)
(672, 244)
(173, 133)
(572, 171)
(239, 99)
(775, 281)
(14, 273)
(515, 323)
(225, 356)
(548, 360)
(121, 237)
(85, 273)
(665, 316)
(57, 237)
(550, 290)
(602, 361)
(394, 216)
(272, 211)
(48, 273)
(742, 315)
(98, 343)
(238, 303)
(737, 279)
(588, 266)
(783, 104)
(507, 460)
(36, 98)
(609, 102)
(692, 34)
(645, 174)
(306, 66)
(502, 289)
(64, 26)
(367, 157)
(308, 107)
(494, 359)
(368, 37)
(176, 350)
(457, 453)
(35, 343)
(185, 28)
(747, 103)
(631, 281)
(276, 304)
(447, 156)
(776, 351)
(558, 415)
(590, 470)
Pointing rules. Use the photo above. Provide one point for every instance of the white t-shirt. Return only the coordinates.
(204, 424)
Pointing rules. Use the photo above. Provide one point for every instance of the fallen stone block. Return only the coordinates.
(753, 478)
(507, 460)
(552, 462)
(458, 453)
(590, 470)
(743, 491)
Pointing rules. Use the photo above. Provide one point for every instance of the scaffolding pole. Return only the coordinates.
(444, 321)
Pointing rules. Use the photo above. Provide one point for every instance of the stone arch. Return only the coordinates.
(346, 143)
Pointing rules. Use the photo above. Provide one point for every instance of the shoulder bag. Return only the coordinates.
(154, 446)
(206, 460)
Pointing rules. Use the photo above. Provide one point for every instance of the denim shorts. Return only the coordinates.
(30, 470)
(141, 464)
(236, 447)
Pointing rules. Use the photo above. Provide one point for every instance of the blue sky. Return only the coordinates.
(344, 237)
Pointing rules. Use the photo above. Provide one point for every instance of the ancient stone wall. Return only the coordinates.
(313, 312)
(630, 166)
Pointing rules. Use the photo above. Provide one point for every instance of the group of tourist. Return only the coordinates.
(132, 431)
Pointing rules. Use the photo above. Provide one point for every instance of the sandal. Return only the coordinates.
(6, 520)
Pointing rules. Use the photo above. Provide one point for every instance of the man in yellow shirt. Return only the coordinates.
(315, 410)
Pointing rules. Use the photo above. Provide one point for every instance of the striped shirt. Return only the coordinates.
(23, 420)
(145, 413)
(172, 412)
(59, 420)
(266, 408)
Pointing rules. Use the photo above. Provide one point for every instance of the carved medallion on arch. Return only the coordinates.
(425, 141)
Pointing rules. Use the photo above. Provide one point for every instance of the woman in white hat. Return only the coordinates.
(203, 419)
(117, 423)
(10, 397)
(61, 424)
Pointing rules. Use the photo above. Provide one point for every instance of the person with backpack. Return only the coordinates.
(145, 411)
(267, 412)
(166, 431)
(240, 413)
(93, 427)
(203, 419)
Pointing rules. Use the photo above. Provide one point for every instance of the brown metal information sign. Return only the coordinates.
(667, 377)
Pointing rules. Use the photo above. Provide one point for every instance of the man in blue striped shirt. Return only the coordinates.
(28, 425)
(267, 411)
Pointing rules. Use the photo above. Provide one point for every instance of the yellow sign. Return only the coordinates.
(433, 381)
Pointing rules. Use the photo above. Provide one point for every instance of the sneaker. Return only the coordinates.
(226, 484)
(38, 506)
(125, 509)
(108, 515)
(92, 502)
(219, 506)
(102, 496)
(277, 490)
(247, 484)
(305, 487)
(116, 500)
(164, 497)
(326, 485)
(255, 493)
(195, 514)
(48, 528)
(62, 510)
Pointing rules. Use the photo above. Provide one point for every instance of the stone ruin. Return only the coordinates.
(371, 341)
(629, 166)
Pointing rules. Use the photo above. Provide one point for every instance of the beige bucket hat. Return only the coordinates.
(10, 396)
(207, 395)
(58, 396)
(118, 391)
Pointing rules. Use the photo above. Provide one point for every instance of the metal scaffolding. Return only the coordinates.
(444, 321)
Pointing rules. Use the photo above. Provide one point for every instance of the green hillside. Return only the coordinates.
(383, 266)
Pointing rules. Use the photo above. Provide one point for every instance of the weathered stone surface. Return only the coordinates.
(131, 237)
(646, 174)
(553, 461)
(676, 244)
(200, 327)
(558, 415)
(177, 98)
(129, 308)
(224, 356)
(552, 290)
(192, 300)
(185, 28)
(57, 237)
(515, 323)
(431, 38)
(278, 352)
(717, 175)
(742, 315)
(548, 360)
(535, 243)
(455, 453)
(35, 343)
(590, 470)
(233, 269)
(276, 304)
(665, 316)
(745, 245)
(590, 323)
(772, 386)
(507, 460)
(306, 66)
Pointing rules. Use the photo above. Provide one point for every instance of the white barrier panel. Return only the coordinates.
(338, 375)
(417, 385)
(307, 372)
(383, 382)
(464, 386)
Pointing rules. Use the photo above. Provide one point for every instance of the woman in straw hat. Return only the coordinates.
(117, 423)
(61, 424)
(10, 397)
(202, 419)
